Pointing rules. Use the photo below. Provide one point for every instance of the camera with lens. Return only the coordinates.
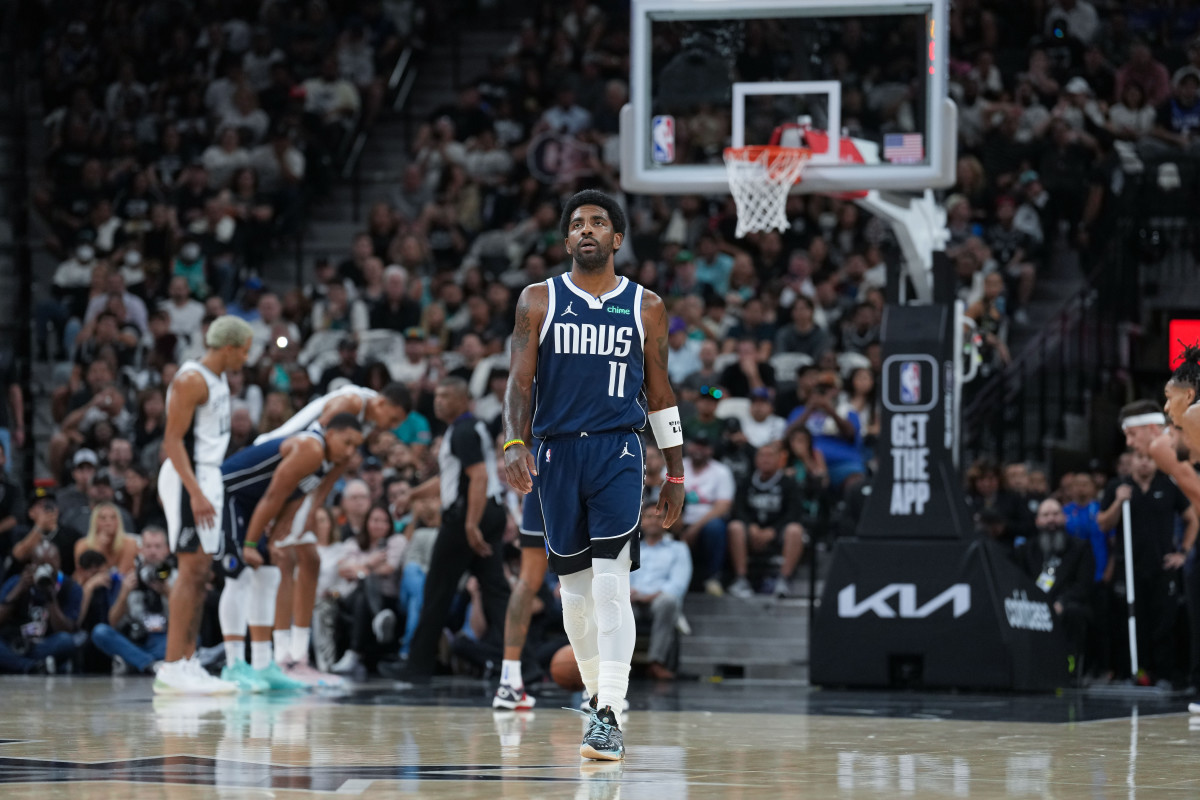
(148, 573)
(45, 576)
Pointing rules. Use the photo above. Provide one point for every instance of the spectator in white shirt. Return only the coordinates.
(259, 59)
(270, 316)
(218, 97)
(1133, 117)
(224, 158)
(709, 491)
(762, 426)
(329, 96)
(487, 162)
(245, 115)
(124, 90)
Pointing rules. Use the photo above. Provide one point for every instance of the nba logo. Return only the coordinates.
(547, 455)
(663, 138)
(910, 382)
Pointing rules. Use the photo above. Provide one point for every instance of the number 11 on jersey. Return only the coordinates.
(616, 378)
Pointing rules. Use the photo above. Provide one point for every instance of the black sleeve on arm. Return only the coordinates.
(466, 445)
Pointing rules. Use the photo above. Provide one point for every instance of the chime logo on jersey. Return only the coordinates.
(910, 382)
(592, 340)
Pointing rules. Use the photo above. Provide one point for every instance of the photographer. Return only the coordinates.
(136, 632)
(38, 609)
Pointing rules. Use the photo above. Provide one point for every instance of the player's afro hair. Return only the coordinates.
(592, 197)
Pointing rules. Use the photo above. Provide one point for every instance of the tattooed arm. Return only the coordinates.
(518, 396)
(660, 395)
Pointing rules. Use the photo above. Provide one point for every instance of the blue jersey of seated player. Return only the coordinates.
(246, 475)
(588, 405)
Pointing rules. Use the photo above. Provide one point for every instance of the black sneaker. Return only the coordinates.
(603, 740)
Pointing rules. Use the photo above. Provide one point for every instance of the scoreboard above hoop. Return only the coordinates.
(864, 81)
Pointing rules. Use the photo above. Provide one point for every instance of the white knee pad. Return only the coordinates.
(575, 615)
(262, 597)
(606, 592)
(231, 610)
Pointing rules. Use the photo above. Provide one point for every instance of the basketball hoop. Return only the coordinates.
(760, 177)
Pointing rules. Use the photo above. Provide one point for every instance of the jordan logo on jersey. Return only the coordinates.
(568, 312)
(626, 452)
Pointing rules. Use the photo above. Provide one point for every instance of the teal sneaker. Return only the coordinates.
(278, 681)
(244, 676)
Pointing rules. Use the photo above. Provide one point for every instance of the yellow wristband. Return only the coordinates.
(511, 442)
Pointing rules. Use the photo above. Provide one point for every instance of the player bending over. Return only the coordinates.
(265, 485)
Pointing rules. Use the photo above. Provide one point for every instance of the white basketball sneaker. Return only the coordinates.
(189, 678)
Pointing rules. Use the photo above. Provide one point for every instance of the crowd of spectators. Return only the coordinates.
(179, 149)
(1069, 538)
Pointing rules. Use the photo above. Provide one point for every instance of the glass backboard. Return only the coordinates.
(709, 74)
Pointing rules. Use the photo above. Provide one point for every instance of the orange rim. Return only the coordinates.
(774, 155)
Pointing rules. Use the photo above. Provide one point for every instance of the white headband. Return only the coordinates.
(1154, 418)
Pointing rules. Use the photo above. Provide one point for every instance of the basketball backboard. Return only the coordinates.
(709, 74)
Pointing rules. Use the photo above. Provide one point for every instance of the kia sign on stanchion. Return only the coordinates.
(934, 614)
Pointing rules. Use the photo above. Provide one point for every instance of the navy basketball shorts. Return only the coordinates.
(532, 527)
(235, 518)
(590, 487)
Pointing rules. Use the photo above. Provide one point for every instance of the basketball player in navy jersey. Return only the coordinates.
(587, 381)
(296, 552)
(190, 490)
(265, 485)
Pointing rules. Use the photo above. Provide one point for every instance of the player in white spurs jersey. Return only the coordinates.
(296, 553)
(191, 491)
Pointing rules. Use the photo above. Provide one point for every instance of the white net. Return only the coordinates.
(760, 178)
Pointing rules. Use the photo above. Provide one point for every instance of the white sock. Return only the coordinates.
(235, 651)
(614, 685)
(300, 640)
(283, 642)
(260, 655)
(510, 674)
(589, 671)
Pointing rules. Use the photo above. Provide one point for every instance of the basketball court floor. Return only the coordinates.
(109, 738)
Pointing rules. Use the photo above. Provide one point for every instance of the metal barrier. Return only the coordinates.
(1045, 396)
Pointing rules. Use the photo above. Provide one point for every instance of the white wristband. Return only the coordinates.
(668, 430)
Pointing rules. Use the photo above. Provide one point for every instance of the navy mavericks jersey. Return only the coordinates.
(590, 361)
(247, 473)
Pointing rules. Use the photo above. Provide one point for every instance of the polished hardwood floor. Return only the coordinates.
(109, 738)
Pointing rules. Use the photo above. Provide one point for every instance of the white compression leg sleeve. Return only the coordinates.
(231, 611)
(616, 631)
(262, 597)
(579, 623)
